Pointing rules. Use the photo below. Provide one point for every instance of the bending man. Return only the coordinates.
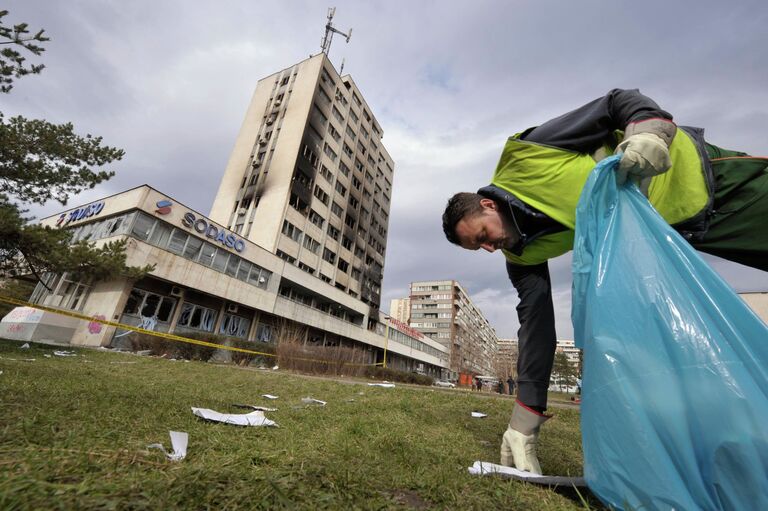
(717, 199)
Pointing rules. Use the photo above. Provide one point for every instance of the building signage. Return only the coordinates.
(407, 330)
(80, 213)
(201, 225)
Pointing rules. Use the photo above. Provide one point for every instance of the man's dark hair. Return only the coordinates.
(461, 205)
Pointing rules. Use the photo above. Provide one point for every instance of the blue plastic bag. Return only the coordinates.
(674, 411)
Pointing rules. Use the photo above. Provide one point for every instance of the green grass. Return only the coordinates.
(74, 431)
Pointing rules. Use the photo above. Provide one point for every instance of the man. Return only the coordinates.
(717, 199)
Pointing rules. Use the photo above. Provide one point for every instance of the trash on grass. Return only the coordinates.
(179, 441)
(46, 355)
(24, 346)
(386, 385)
(254, 407)
(479, 415)
(483, 468)
(255, 418)
(312, 401)
(275, 368)
(63, 353)
(269, 396)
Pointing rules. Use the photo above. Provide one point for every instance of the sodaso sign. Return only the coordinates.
(201, 225)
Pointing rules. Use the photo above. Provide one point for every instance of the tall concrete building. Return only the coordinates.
(295, 241)
(442, 310)
(400, 309)
(310, 180)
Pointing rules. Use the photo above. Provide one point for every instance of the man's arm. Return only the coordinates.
(536, 338)
(587, 128)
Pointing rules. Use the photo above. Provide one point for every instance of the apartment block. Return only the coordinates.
(442, 310)
(400, 309)
(310, 180)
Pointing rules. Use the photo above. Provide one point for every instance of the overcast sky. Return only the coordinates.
(449, 81)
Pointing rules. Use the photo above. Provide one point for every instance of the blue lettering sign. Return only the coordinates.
(201, 225)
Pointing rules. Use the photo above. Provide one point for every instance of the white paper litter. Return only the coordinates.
(312, 401)
(386, 385)
(62, 353)
(46, 355)
(275, 368)
(24, 346)
(486, 468)
(254, 407)
(479, 415)
(179, 441)
(269, 396)
(255, 418)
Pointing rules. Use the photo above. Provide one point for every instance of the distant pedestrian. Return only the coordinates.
(479, 384)
(511, 385)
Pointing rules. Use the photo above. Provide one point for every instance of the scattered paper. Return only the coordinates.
(46, 355)
(275, 368)
(269, 396)
(62, 353)
(179, 441)
(24, 346)
(124, 362)
(254, 407)
(387, 385)
(312, 401)
(255, 418)
(479, 415)
(485, 468)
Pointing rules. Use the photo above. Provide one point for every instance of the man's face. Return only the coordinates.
(488, 230)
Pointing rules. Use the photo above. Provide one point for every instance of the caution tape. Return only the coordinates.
(163, 335)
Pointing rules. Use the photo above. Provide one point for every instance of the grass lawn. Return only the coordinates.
(74, 431)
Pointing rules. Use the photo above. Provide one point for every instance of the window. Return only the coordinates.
(338, 115)
(284, 81)
(353, 115)
(316, 219)
(177, 241)
(193, 248)
(285, 257)
(363, 130)
(343, 168)
(361, 148)
(232, 265)
(310, 244)
(367, 117)
(353, 203)
(149, 305)
(347, 150)
(324, 95)
(67, 293)
(234, 326)
(351, 133)
(329, 152)
(329, 256)
(327, 175)
(160, 234)
(336, 209)
(343, 265)
(219, 262)
(243, 270)
(197, 317)
(356, 273)
(346, 243)
(356, 99)
(356, 184)
(321, 195)
(291, 231)
(311, 157)
(358, 164)
(349, 221)
(341, 189)
(307, 268)
(334, 133)
(333, 232)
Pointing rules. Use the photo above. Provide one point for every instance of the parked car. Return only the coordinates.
(443, 383)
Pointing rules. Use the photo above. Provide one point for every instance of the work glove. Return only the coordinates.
(645, 151)
(518, 445)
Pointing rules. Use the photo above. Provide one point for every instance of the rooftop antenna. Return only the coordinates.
(329, 31)
(341, 71)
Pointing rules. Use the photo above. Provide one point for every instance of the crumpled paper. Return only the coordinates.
(479, 415)
(486, 468)
(385, 384)
(179, 441)
(312, 401)
(255, 418)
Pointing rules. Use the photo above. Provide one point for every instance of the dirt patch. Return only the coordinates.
(410, 499)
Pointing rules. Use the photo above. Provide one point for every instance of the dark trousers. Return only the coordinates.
(738, 229)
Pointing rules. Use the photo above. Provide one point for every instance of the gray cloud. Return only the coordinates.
(448, 81)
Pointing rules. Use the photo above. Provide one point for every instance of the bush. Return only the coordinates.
(244, 359)
(146, 342)
(329, 360)
(389, 374)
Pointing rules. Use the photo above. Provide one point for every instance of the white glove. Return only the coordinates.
(520, 449)
(644, 155)
(518, 444)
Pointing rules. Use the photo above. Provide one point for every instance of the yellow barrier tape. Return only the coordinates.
(170, 337)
